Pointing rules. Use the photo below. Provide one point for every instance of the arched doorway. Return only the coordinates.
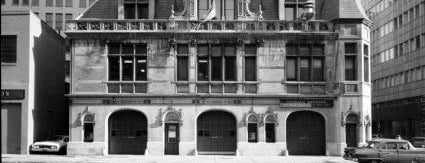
(351, 130)
(127, 132)
(216, 133)
(305, 133)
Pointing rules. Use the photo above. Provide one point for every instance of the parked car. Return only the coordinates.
(418, 142)
(56, 144)
(386, 150)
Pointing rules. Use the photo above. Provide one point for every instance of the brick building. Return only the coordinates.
(398, 67)
(261, 78)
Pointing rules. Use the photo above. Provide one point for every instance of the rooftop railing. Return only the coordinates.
(197, 26)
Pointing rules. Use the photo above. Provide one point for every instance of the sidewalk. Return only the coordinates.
(8, 158)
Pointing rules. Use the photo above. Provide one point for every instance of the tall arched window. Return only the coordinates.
(252, 128)
(88, 127)
(270, 124)
(225, 9)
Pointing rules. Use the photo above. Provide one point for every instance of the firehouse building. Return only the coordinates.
(242, 77)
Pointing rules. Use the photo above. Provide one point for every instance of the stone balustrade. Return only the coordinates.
(197, 26)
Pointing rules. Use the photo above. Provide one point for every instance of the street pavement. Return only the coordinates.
(8, 158)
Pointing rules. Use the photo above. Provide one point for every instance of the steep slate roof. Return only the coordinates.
(101, 9)
(343, 9)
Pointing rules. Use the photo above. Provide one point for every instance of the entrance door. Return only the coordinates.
(10, 128)
(351, 134)
(127, 132)
(216, 133)
(172, 135)
(306, 133)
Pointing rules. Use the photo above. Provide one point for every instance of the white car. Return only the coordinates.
(56, 144)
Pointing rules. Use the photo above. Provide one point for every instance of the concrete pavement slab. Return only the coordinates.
(7, 158)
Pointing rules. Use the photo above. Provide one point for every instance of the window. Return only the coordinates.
(305, 62)
(25, 2)
(136, 9)
(411, 16)
(91, 2)
(225, 9)
(294, 9)
(252, 129)
(395, 23)
(250, 70)
(400, 20)
(350, 67)
(178, 5)
(83, 3)
(49, 19)
(366, 62)
(270, 124)
(350, 48)
(216, 63)
(68, 16)
(59, 21)
(290, 12)
(417, 11)
(15, 2)
(182, 67)
(127, 62)
(68, 3)
(3, 2)
(35, 3)
(8, 48)
(59, 3)
(418, 42)
(49, 3)
(88, 127)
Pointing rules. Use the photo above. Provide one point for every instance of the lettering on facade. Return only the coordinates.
(126, 101)
(301, 103)
(9, 94)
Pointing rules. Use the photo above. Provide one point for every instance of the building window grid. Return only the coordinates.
(25, 2)
(216, 68)
(59, 3)
(182, 77)
(49, 3)
(8, 49)
(136, 9)
(131, 78)
(35, 3)
(59, 21)
(305, 64)
(69, 3)
(82, 3)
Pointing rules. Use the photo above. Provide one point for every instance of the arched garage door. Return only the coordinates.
(216, 133)
(127, 132)
(306, 133)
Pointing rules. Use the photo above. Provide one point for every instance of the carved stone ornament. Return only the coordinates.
(251, 117)
(367, 121)
(350, 117)
(269, 117)
(171, 115)
(180, 14)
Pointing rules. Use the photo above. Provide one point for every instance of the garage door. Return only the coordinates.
(306, 133)
(216, 133)
(127, 132)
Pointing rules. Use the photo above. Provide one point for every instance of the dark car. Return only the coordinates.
(386, 150)
(56, 144)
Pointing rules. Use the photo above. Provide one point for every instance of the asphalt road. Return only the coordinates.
(8, 158)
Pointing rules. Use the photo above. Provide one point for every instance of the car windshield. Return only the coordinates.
(374, 145)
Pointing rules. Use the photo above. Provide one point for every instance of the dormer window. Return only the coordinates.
(136, 9)
(294, 9)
